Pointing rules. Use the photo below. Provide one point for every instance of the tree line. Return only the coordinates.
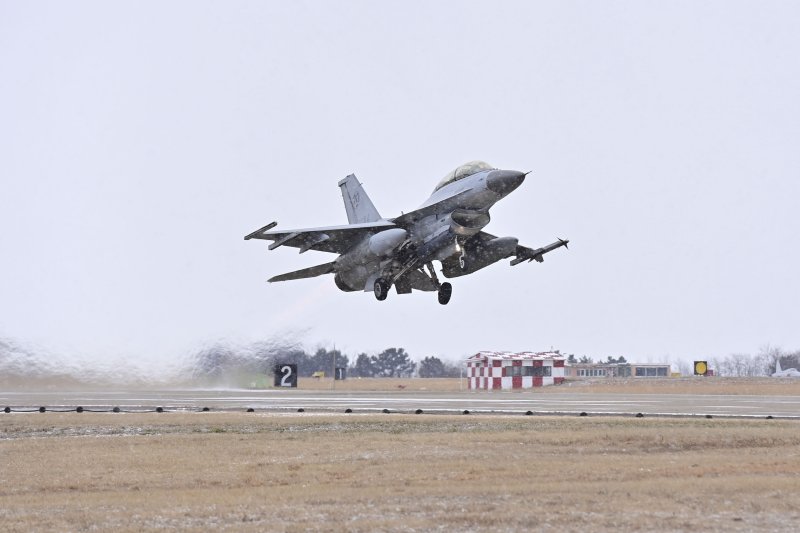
(221, 362)
(585, 360)
(761, 364)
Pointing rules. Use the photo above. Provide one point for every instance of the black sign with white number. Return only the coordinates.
(341, 373)
(285, 375)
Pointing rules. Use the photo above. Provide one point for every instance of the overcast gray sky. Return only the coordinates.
(139, 142)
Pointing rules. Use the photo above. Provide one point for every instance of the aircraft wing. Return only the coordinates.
(334, 239)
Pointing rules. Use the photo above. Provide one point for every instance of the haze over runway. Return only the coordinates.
(140, 142)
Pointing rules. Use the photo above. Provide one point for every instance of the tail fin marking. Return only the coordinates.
(356, 202)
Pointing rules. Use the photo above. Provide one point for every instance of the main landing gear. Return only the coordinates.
(382, 285)
(381, 289)
(445, 289)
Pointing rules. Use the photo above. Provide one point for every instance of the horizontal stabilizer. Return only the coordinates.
(310, 272)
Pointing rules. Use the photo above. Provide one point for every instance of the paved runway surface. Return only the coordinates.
(409, 401)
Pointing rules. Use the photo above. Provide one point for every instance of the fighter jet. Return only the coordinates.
(376, 253)
(785, 373)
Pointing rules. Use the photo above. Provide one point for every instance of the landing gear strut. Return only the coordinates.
(445, 289)
(381, 289)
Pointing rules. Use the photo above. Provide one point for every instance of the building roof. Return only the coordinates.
(510, 356)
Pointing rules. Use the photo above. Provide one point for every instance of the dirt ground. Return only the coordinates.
(303, 472)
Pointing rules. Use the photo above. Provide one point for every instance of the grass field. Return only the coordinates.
(687, 385)
(300, 472)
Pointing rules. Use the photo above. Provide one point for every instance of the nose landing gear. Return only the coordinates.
(445, 291)
(381, 289)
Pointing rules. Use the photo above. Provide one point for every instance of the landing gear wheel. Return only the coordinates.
(445, 291)
(381, 289)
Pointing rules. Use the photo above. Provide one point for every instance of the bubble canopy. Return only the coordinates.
(463, 171)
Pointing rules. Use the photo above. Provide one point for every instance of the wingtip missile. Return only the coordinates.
(527, 254)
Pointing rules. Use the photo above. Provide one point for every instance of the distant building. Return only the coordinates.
(617, 370)
(508, 371)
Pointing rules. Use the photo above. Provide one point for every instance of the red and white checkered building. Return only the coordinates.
(507, 371)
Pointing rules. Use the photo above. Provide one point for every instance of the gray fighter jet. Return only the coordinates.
(376, 253)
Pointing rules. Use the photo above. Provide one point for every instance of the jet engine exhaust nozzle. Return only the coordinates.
(503, 182)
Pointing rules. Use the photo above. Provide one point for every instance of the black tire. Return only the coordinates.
(381, 289)
(445, 291)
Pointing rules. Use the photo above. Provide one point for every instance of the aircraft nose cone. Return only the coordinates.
(503, 182)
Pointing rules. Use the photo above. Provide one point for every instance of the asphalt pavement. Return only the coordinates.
(288, 400)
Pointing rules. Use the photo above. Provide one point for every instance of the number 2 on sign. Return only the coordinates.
(287, 373)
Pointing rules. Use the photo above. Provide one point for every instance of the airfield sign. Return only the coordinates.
(285, 375)
(700, 368)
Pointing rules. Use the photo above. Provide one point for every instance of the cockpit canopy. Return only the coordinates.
(465, 170)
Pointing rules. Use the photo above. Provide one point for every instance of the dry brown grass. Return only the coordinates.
(257, 472)
(382, 384)
(689, 385)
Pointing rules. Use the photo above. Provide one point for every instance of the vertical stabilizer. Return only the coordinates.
(356, 202)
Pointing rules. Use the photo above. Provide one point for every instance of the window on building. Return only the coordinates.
(511, 371)
(652, 372)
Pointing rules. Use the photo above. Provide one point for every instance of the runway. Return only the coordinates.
(411, 401)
